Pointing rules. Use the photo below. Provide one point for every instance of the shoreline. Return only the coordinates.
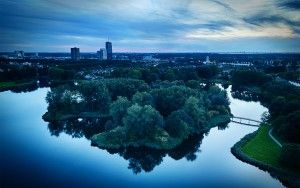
(6, 86)
(215, 122)
(286, 178)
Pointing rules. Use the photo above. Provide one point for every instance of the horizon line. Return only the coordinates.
(191, 52)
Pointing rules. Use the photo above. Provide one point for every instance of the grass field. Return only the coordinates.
(7, 84)
(263, 148)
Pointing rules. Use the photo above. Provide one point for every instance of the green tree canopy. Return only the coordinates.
(118, 109)
(142, 121)
(196, 111)
(143, 98)
(96, 95)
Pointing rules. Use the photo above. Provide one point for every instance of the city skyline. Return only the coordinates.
(151, 26)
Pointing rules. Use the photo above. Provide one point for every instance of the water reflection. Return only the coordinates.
(245, 95)
(41, 160)
(25, 88)
(145, 159)
(86, 127)
(140, 159)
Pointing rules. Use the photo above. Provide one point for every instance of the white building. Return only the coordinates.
(207, 61)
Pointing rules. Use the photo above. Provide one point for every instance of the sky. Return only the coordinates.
(150, 25)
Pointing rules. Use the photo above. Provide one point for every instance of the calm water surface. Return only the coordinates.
(32, 157)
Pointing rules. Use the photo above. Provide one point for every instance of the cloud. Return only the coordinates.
(275, 20)
(187, 25)
(290, 4)
(280, 31)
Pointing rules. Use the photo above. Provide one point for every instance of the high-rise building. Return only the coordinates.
(75, 54)
(102, 54)
(108, 46)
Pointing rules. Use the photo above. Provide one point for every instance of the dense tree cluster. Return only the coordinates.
(60, 74)
(288, 127)
(282, 99)
(16, 73)
(152, 74)
(160, 116)
(208, 71)
(249, 78)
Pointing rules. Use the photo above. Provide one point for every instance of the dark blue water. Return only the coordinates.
(31, 157)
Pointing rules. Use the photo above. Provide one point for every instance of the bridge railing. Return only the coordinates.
(246, 121)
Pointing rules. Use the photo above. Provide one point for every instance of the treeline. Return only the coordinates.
(151, 74)
(15, 73)
(64, 70)
(52, 69)
(26, 72)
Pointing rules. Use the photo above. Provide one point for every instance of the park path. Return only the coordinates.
(273, 138)
(256, 123)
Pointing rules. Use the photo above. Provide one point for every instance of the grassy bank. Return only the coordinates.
(7, 84)
(263, 148)
(259, 150)
(11, 85)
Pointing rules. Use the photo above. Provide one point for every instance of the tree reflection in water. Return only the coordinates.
(77, 128)
(245, 94)
(140, 159)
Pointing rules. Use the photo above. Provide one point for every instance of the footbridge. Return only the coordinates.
(245, 121)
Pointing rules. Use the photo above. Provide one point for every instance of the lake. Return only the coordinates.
(31, 156)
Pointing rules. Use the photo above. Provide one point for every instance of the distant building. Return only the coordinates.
(75, 54)
(102, 54)
(237, 64)
(108, 46)
(207, 61)
(150, 58)
(19, 54)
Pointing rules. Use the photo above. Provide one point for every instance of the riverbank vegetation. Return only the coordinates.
(281, 98)
(283, 102)
(259, 150)
(263, 148)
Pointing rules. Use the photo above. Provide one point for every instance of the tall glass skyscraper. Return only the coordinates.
(108, 47)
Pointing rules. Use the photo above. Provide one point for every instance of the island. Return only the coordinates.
(136, 114)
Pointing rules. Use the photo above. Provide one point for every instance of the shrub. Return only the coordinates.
(290, 155)
(288, 127)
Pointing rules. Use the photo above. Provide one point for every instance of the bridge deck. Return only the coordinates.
(242, 118)
(245, 121)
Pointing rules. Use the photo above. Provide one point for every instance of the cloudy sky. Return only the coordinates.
(151, 25)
